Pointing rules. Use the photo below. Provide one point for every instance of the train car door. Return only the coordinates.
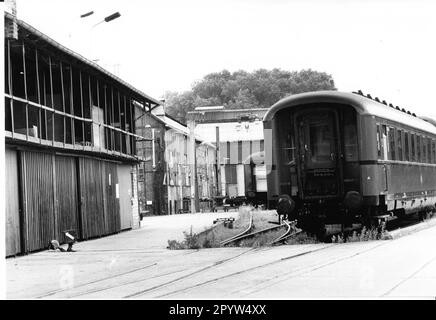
(317, 136)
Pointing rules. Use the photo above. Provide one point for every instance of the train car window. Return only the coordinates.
(429, 150)
(424, 150)
(412, 144)
(406, 147)
(418, 148)
(434, 150)
(400, 144)
(391, 137)
(384, 142)
(350, 136)
(379, 145)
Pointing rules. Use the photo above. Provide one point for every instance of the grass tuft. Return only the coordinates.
(364, 235)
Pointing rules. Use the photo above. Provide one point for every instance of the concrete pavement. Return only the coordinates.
(137, 265)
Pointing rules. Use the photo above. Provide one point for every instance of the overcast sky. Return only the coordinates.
(386, 48)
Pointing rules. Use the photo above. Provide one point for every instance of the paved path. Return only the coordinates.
(136, 264)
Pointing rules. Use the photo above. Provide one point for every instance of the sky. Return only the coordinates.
(385, 48)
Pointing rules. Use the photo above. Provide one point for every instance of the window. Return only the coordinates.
(433, 143)
(424, 150)
(391, 137)
(400, 144)
(94, 92)
(20, 118)
(429, 150)
(59, 128)
(406, 147)
(57, 85)
(66, 81)
(44, 80)
(86, 96)
(77, 99)
(31, 78)
(17, 69)
(418, 148)
(412, 144)
(384, 143)
(350, 137)
(8, 115)
(379, 144)
(7, 66)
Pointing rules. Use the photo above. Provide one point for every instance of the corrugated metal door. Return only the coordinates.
(38, 199)
(13, 243)
(66, 196)
(92, 204)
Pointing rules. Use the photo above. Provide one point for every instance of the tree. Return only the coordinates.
(242, 90)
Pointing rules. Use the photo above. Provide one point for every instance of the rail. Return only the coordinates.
(231, 239)
(290, 231)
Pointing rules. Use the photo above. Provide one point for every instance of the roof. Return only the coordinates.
(231, 131)
(82, 59)
(230, 115)
(361, 103)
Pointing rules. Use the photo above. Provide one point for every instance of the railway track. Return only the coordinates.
(279, 277)
(290, 231)
(105, 286)
(241, 234)
(233, 274)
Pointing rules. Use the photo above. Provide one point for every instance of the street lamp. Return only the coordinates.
(87, 14)
(108, 18)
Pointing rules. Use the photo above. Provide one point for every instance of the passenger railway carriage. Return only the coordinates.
(346, 156)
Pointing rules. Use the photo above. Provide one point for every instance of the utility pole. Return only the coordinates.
(193, 165)
(218, 161)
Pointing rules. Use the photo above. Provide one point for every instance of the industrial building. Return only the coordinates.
(239, 137)
(71, 143)
(191, 187)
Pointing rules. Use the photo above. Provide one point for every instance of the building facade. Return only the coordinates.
(151, 190)
(241, 145)
(182, 189)
(71, 143)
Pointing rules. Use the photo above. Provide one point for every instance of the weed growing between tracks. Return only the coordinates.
(211, 238)
(364, 235)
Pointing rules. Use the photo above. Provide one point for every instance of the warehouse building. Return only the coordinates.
(183, 190)
(239, 136)
(71, 143)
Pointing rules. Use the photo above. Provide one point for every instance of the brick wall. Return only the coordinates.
(151, 187)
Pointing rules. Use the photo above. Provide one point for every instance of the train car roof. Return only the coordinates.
(362, 104)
